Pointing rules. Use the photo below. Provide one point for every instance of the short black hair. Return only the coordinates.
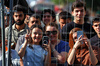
(49, 11)
(64, 15)
(96, 19)
(78, 4)
(20, 8)
(35, 16)
(36, 26)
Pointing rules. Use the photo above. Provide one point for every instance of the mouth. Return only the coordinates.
(18, 21)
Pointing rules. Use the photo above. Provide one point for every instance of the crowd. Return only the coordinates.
(63, 46)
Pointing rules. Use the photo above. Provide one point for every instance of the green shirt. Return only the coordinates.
(15, 33)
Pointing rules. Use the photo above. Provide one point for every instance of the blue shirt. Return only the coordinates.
(62, 47)
(34, 55)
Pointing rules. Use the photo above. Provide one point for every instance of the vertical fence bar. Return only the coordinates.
(3, 32)
(10, 33)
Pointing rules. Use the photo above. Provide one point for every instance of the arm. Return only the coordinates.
(93, 58)
(21, 62)
(21, 53)
(71, 57)
(61, 57)
(48, 58)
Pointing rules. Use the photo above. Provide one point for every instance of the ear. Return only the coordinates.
(85, 13)
(13, 16)
(72, 13)
(93, 27)
(53, 19)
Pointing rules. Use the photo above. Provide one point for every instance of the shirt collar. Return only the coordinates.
(26, 27)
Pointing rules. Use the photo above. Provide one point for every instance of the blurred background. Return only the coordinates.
(36, 6)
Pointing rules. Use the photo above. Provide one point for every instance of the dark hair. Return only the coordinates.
(49, 11)
(96, 19)
(64, 15)
(20, 8)
(36, 26)
(35, 16)
(78, 4)
(52, 24)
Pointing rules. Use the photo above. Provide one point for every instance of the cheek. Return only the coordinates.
(40, 36)
(22, 18)
(32, 35)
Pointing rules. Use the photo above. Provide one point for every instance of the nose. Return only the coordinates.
(34, 23)
(51, 34)
(79, 12)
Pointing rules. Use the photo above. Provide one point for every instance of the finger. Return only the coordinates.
(80, 37)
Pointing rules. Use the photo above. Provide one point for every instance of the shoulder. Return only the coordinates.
(93, 38)
(69, 25)
(21, 37)
(63, 42)
(6, 29)
(87, 24)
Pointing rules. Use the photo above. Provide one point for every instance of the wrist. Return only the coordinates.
(74, 48)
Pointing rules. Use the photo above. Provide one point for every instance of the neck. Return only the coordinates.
(61, 26)
(35, 43)
(55, 42)
(20, 27)
(79, 21)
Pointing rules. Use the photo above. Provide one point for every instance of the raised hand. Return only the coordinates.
(78, 42)
(28, 38)
(86, 41)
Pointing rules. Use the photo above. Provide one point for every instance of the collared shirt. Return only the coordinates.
(15, 33)
(34, 55)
